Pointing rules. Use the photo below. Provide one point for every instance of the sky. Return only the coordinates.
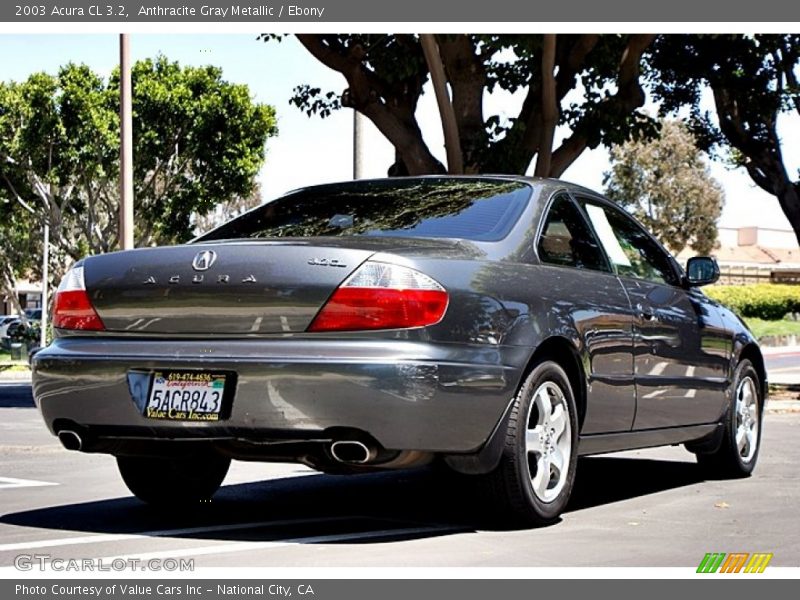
(313, 150)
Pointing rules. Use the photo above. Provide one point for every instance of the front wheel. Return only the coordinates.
(534, 479)
(741, 438)
(186, 479)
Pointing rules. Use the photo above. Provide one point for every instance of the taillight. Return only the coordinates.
(383, 296)
(72, 308)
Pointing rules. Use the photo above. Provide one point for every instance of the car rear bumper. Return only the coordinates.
(405, 395)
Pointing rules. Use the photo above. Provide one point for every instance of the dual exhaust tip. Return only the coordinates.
(352, 452)
(71, 440)
(343, 451)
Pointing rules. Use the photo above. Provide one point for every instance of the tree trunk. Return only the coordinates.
(9, 287)
(391, 113)
(764, 157)
(452, 144)
(789, 199)
(466, 75)
(549, 106)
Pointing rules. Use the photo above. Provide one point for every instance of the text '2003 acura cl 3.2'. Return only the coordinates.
(502, 326)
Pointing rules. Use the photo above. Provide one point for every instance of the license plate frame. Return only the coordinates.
(194, 407)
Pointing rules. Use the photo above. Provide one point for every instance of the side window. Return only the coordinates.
(567, 240)
(632, 252)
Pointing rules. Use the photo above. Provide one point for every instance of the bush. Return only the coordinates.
(767, 301)
(26, 334)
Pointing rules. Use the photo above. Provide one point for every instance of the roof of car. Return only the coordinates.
(533, 181)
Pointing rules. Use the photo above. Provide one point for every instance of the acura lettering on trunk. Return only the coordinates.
(498, 326)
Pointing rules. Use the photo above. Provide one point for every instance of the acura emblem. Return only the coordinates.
(204, 260)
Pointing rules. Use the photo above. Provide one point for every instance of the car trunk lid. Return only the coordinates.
(220, 288)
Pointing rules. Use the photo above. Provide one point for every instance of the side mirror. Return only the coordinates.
(701, 270)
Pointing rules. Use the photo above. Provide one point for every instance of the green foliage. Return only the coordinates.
(763, 301)
(28, 334)
(665, 183)
(750, 65)
(753, 80)
(198, 141)
(386, 74)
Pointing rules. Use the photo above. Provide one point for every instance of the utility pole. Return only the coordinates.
(358, 144)
(126, 146)
(45, 275)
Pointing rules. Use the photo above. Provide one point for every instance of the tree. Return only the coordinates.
(752, 79)
(20, 245)
(385, 75)
(666, 185)
(198, 141)
(227, 210)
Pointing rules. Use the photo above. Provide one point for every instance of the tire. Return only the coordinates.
(185, 479)
(737, 453)
(535, 441)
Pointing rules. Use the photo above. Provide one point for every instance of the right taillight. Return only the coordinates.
(383, 296)
(72, 308)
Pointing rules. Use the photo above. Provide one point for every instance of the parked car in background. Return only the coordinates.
(500, 325)
(5, 321)
(15, 329)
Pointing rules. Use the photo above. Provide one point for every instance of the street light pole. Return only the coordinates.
(45, 274)
(126, 146)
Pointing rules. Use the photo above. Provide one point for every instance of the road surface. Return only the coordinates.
(642, 508)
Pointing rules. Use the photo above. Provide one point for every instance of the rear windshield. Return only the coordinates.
(471, 209)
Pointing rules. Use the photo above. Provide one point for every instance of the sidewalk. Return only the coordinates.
(7, 376)
(780, 350)
(788, 373)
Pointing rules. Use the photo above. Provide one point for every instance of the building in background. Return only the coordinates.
(29, 294)
(755, 254)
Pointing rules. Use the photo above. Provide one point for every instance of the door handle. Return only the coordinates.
(646, 312)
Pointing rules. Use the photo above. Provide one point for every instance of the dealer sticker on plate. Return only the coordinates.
(186, 396)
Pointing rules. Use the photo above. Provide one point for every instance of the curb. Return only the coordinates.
(784, 387)
(783, 406)
(15, 377)
(772, 350)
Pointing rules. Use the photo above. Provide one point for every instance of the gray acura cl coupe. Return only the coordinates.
(501, 326)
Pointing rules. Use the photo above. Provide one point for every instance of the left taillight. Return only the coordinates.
(72, 308)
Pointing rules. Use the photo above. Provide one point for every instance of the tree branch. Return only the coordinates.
(569, 58)
(368, 94)
(629, 96)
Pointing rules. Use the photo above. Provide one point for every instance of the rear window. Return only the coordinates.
(471, 209)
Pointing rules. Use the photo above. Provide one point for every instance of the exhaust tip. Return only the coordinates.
(70, 439)
(351, 451)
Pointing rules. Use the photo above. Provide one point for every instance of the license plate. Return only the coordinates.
(187, 396)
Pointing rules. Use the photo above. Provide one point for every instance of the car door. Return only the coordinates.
(679, 340)
(584, 294)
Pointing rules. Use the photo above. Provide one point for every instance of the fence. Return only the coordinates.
(747, 274)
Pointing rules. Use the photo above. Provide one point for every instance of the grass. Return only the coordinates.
(7, 365)
(762, 328)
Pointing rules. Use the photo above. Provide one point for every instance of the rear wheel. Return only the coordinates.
(534, 479)
(741, 438)
(185, 479)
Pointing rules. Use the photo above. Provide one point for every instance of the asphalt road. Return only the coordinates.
(642, 508)
(783, 366)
